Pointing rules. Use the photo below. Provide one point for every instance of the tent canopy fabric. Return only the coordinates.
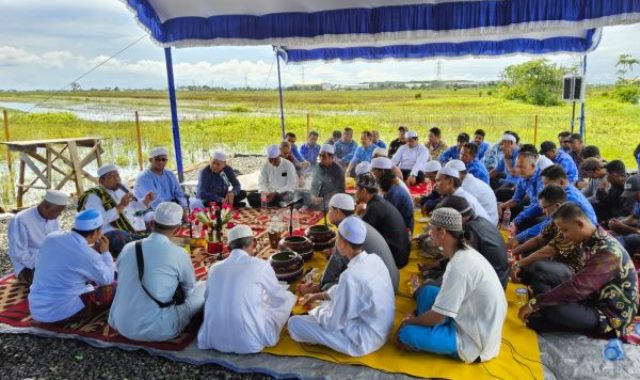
(377, 29)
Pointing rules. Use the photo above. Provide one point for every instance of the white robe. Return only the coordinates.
(281, 178)
(26, 233)
(94, 202)
(65, 264)
(245, 307)
(133, 313)
(359, 313)
(413, 159)
(483, 193)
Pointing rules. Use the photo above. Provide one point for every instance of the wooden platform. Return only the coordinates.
(60, 155)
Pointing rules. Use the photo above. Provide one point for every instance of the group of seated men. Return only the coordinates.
(580, 276)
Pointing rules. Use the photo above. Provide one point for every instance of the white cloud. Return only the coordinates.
(13, 56)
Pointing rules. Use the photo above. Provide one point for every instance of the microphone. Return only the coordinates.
(320, 193)
(291, 204)
(126, 190)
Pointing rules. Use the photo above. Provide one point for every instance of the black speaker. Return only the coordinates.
(573, 88)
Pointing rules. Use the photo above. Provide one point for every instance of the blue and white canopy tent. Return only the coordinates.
(328, 30)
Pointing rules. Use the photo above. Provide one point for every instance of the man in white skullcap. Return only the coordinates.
(410, 158)
(356, 315)
(480, 189)
(393, 189)
(160, 181)
(448, 183)
(380, 152)
(363, 167)
(277, 182)
(123, 215)
(342, 206)
(428, 202)
(328, 177)
(28, 229)
(157, 289)
(68, 266)
(447, 321)
(253, 312)
(505, 175)
(218, 183)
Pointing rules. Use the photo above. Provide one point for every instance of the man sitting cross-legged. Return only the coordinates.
(356, 315)
(601, 298)
(245, 307)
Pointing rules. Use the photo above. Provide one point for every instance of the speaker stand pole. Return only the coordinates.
(573, 116)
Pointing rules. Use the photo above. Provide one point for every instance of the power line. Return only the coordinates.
(86, 73)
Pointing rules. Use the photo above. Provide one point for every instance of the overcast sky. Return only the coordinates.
(46, 44)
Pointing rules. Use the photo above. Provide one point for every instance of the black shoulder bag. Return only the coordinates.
(178, 295)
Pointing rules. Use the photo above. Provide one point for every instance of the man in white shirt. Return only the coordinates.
(28, 229)
(411, 158)
(277, 181)
(356, 315)
(463, 318)
(157, 291)
(479, 189)
(448, 183)
(68, 264)
(121, 211)
(245, 308)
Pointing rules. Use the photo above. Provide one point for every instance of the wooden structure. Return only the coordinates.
(60, 155)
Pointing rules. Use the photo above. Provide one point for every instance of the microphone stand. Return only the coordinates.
(186, 195)
(291, 218)
(324, 205)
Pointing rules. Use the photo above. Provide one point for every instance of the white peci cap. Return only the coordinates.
(449, 171)
(240, 231)
(57, 197)
(168, 214)
(328, 148)
(457, 164)
(380, 152)
(363, 167)
(508, 137)
(432, 166)
(381, 163)
(160, 151)
(411, 135)
(273, 151)
(343, 202)
(353, 230)
(108, 168)
(219, 156)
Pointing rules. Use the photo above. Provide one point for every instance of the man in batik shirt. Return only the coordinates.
(601, 298)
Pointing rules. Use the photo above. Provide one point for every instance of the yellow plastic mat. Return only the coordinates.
(519, 355)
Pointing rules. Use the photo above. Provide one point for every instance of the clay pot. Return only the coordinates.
(288, 265)
(298, 244)
(321, 236)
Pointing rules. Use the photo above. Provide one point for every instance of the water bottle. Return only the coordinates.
(613, 351)
(296, 222)
(506, 218)
(263, 200)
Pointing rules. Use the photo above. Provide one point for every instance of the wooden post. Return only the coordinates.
(21, 189)
(535, 131)
(308, 124)
(139, 136)
(77, 167)
(6, 138)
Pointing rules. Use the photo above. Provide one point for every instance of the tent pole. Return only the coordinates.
(174, 113)
(280, 93)
(584, 77)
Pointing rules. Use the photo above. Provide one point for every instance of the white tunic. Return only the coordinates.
(94, 202)
(281, 178)
(26, 233)
(245, 308)
(411, 158)
(133, 313)
(359, 313)
(65, 263)
(471, 294)
(473, 202)
(483, 193)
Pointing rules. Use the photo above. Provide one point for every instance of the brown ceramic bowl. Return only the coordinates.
(299, 244)
(319, 233)
(288, 265)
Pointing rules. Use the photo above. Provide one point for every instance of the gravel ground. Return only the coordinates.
(30, 357)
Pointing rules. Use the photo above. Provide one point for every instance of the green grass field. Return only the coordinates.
(251, 120)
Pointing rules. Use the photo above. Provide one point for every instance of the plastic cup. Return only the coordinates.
(522, 296)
